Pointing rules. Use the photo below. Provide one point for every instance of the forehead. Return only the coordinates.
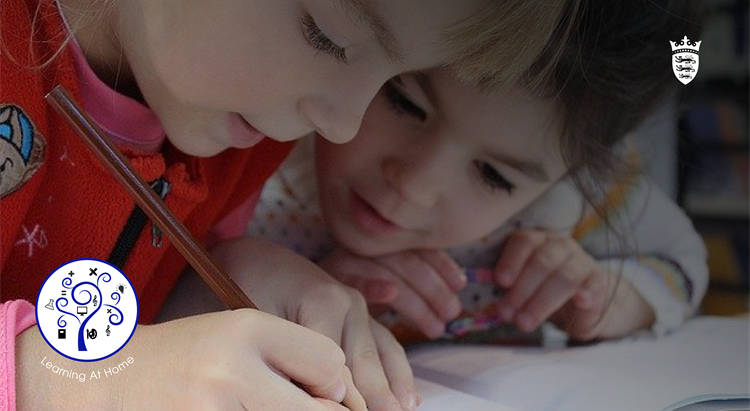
(416, 28)
(509, 121)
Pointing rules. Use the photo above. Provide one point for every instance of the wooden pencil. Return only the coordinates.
(149, 201)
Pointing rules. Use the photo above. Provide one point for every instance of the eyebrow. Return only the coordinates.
(366, 13)
(531, 169)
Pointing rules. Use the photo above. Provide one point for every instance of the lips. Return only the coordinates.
(243, 134)
(369, 219)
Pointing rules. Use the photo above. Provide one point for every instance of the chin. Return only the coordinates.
(198, 150)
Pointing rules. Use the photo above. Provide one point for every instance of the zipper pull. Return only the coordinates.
(161, 186)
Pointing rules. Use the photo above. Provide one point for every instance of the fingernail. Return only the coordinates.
(506, 314)
(411, 402)
(504, 278)
(584, 299)
(436, 330)
(525, 322)
(340, 392)
(463, 279)
(452, 310)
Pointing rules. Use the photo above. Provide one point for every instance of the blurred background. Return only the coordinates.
(697, 151)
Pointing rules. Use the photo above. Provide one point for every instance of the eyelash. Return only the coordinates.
(401, 104)
(319, 41)
(492, 178)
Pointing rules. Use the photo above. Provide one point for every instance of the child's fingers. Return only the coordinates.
(327, 405)
(278, 394)
(559, 288)
(397, 368)
(446, 267)
(594, 292)
(325, 310)
(374, 281)
(583, 322)
(363, 357)
(415, 310)
(516, 250)
(353, 400)
(379, 291)
(545, 261)
(312, 360)
(427, 283)
(375, 287)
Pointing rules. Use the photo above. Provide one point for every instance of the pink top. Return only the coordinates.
(129, 122)
(15, 317)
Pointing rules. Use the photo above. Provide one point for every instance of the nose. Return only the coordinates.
(419, 176)
(336, 114)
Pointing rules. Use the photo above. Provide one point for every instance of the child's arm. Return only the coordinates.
(656, 249)
(652, 250)
(240, 359)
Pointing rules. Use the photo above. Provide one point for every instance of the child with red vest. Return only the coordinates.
(189, 94)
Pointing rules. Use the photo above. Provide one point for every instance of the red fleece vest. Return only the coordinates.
(58, 202)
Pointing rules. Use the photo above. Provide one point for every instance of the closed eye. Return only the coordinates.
(401, 104)
(492, 178)
(320, 42)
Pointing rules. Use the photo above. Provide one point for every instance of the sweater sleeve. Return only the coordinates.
(653, 244)
(15, 317)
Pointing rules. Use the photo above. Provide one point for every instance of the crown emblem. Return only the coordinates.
(685, 46)
(685, 59)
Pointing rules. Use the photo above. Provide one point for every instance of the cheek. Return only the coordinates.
(472, 218)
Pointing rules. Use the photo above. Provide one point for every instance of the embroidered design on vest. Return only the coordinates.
(21, 148)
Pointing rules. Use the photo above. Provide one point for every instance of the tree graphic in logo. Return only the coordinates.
(114, 318)
(91, 313)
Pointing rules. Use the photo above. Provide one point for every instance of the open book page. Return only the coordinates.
(441, 398)
(709, 356)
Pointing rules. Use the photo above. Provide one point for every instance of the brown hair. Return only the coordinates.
(495, 47)
(608, 66)
(608, 74)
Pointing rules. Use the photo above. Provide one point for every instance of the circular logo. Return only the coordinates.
(87, 310)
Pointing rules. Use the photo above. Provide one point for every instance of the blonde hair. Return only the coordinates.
(40, 54)
(495, 47)
(492, 48)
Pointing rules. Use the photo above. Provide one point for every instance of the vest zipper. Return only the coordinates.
(155, 232)
(133, 228)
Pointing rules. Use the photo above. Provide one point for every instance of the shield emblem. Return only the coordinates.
(685, 59)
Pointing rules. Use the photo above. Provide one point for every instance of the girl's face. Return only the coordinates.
(223, 74)
(437, 164)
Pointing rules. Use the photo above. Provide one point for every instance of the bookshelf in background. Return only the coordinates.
(714, 154)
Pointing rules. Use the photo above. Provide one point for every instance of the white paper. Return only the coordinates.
(441, 398)
(709, 356)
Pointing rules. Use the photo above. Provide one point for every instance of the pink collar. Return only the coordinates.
(125, 120)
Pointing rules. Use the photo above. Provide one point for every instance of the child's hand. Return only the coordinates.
(286, 284)
(548, 276)
(421, 285)
(231, 360)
